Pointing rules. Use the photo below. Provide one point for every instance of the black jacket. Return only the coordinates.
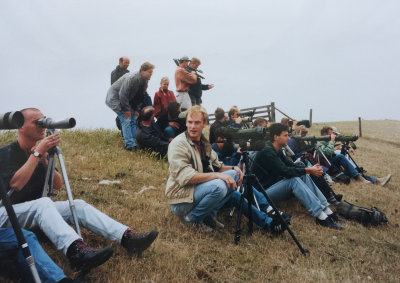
(151, 138)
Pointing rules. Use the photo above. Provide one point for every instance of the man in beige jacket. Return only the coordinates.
(198, 184)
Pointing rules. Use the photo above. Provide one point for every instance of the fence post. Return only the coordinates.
(310, 117)
(273, 112)
(359, 127)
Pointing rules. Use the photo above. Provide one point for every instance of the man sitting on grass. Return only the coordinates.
(23, 166)
(282, 179)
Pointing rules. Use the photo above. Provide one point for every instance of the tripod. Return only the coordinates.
(18, 233)
(49, 179)
(248, 181)
(345, 152)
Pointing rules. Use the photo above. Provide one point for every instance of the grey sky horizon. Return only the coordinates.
(340, 58)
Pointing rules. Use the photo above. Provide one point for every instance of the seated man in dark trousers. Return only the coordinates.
(149, 135)
(282, 179)
(23, 166)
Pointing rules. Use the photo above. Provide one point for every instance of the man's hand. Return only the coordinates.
(174, 125)
(228, 179)
(240, 173)
(47, 143)
(238, 120)
(333, 136)
(127, 114)
(315, 170)
(210, 86)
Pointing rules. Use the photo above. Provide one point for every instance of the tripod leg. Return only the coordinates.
(239, 220)
(18, 232)
(249, 197)
(303, 251)
(68, 189)
(48, 173)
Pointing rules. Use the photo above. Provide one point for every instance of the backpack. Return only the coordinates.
(363, 215)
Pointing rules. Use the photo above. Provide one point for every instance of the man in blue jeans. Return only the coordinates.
(124, 97)
(283, 180)
(328, 148)
(47, 269)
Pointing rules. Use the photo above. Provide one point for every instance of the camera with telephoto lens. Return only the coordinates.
(11, 120)
(49, 123)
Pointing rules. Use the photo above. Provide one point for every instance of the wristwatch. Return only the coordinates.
(37, 154)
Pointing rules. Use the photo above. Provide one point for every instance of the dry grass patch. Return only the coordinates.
(181, 255)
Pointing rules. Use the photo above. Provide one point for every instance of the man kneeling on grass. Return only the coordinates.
(23, 166)
(198, 184)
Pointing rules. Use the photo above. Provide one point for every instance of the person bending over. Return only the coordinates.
(282, 179)
(23, 166)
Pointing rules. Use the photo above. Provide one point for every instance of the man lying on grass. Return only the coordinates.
(23, 166)
(199, 185)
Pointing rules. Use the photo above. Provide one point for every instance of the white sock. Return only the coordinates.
(322, 216)
(269, 208)
(328, 211)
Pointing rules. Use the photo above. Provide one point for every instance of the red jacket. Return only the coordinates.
(161, 100)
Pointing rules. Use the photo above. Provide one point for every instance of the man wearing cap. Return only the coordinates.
(183, 79)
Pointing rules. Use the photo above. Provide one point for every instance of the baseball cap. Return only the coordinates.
(184, 58)
(335, 130)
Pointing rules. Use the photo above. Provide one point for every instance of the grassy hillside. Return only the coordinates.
(181, 255)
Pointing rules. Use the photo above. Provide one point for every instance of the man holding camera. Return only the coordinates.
(23, 166)
(196, 89)
(283, 179)
(125, 96)
(183, 78)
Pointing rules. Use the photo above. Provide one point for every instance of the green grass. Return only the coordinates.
(182, 255)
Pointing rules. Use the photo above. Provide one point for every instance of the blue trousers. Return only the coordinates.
(349, 168)
(209, 197)
(304, 189)
(47, 269)
(128, 128)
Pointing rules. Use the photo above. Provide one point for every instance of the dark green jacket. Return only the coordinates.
(117, 73)
(271, 166)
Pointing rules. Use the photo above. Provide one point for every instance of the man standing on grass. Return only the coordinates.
(125, 97)
(282, 179)
(183, 79)
(196, 89)
(23, 166)
(120, 70)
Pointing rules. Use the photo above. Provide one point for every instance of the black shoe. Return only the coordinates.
(339, 197)
(328, 222)
(83, 258)
(136, 243)
(336, 218)
(213, 223)
(286, 216)
(276, 226)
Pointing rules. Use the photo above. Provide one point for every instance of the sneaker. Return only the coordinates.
(213, 223)
(383, 181)
(328, 222)
(83, 258)
(136, 243)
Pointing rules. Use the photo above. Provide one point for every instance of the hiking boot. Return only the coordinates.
(213, 222)
(83, 258)
(384, 180)
(276, 226)
(136, 243)
(360, 179)
(328, 222)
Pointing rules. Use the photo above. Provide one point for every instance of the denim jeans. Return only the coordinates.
(349, 170)
(208, 198)
(169, 132)
(53, 219)
(259, 215)
(128, 128)
(47, 269)
(304, 189)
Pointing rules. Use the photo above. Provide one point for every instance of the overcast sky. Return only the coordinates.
(340, 58)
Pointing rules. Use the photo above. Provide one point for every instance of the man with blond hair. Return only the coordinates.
(198, 184)
(183, 78)
(196, 89)
(125, 97)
